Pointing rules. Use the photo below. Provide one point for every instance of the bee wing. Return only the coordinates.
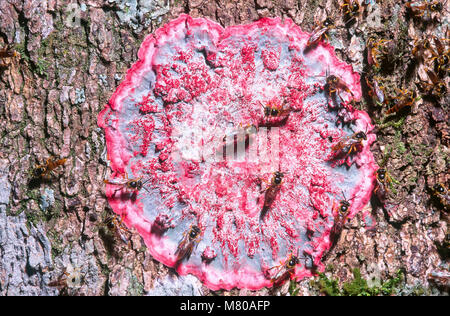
(122, 235)
(433, 77)
(275, 272)
(378, 92)
(7, 52)
(115, 181)
(341, 144)
(60, 282)
(381, 190)
(336, 230)
(185, 251)
(183, 243)
(271, 194)
(416, 6)
(338, 146)
(439, 46)
(315, 36)
(61, 161)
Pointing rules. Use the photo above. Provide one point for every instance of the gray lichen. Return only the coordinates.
(24, 251)
(138, 14)
(177, 286)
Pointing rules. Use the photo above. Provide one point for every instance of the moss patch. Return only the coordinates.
(358, 286)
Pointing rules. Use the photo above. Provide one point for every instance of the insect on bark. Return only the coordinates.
(383, 180)
(7, 53)
(44, 170)
(271, 193)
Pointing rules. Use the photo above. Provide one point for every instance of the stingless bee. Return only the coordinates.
(340, 213)
(383, 180)
(185, 247)
(7, 52)
(376, 90)
(334, 84)
(351, 9)
(437, 88)
(71, 277)
(44, 170)
(350, 144)
(374, 50)
(282, 272)
(271, 193)
(272, 110)
(127, 184)
(320, 32)
(420, 47)
(441, 193)
(406, 98)
(418, 9)
(116, 225)
(442, 56)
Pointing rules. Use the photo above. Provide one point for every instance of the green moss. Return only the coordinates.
(327, 286)
(358, 286)
(421, 150)
(390, 122)
(293, 289)
(399, 145)
(20, 48)
(409, 158)
(388, 287)
(41, 67)
(401, 149)
(56, 242)
(59, 25)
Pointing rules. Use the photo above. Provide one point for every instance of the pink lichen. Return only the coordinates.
(197, 95)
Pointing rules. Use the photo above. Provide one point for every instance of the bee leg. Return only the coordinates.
(352, 149)
(118, 189)
(146, 189)
(266, 182)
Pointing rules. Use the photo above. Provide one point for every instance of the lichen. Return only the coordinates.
(197, 84)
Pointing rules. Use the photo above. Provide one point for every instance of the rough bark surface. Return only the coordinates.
(72, 58)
